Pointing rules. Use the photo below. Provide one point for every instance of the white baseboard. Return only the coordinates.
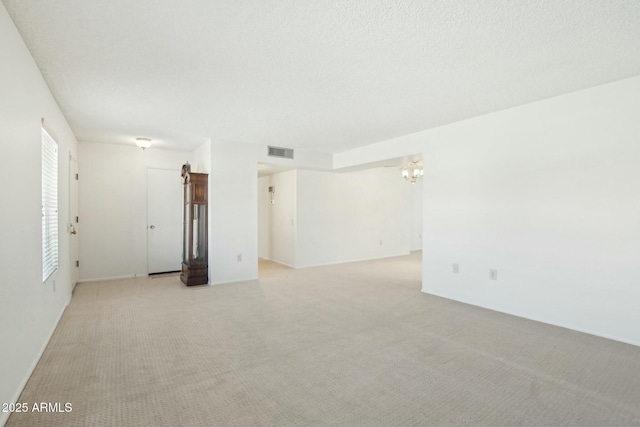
(101, 279)
(5, 415)
(281, 263)
(233, 281)
(341, 262)
(353, 260)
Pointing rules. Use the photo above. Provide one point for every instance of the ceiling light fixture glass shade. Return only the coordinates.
(143, 142)
(412, 171)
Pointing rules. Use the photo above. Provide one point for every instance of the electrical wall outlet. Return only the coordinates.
(456, 268)
(239, 257)
(493, 274)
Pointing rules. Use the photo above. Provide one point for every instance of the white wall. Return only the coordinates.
(415, 202)
(284, 218)
(343, 217)
(113, 206)
(202, 158)
(545, 193)
(325, 217)
(233, 225)
(29, 309)
(264, 217)
(113, 241)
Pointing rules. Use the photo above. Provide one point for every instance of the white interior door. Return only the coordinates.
(164, 220)
(73, 225)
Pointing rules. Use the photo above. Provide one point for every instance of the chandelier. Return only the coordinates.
(412, 171)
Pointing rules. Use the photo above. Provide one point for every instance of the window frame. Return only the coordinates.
(50, 201)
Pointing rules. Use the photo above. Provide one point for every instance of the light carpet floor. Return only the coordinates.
(348, 345)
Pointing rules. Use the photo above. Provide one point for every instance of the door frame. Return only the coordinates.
(73, 222)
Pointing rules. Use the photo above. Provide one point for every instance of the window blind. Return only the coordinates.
(49, 206)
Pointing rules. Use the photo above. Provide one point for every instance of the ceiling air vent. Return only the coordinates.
(285, 153)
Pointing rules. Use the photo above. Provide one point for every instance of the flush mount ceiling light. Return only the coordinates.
(412, 171)
(143, 142)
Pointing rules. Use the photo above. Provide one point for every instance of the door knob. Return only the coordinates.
(152, 227)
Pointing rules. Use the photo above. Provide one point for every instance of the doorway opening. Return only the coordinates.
(276, 218)
(362, 214)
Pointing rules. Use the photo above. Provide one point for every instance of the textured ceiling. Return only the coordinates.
(324, 75)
